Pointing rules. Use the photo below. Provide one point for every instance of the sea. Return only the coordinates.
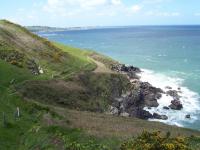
(168, 56)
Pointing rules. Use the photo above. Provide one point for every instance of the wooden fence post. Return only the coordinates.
(4, 120)
(18, 113)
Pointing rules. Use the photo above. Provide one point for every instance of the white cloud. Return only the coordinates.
(84, 4)
(154, 1)
(69, 8)
(116, 2)
(90, 3)
(135, 8)
(169, 14)
(81, 7)
(22, 16)
(175, 14)
(163, 14)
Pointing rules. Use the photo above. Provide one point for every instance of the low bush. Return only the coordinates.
(154, 141)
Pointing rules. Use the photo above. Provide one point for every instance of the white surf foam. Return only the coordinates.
(189, 99)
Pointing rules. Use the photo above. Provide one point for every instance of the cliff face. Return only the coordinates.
(140, 95)
(87, 91)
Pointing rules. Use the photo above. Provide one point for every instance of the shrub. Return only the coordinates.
(57, 56)
(154, 141)
(13, 57)
(86, 146)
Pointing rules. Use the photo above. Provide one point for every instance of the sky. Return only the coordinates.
(73, 13)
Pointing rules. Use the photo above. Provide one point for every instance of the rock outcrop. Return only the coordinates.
(150, 94)
(129, 70)
(20, 60)
(174, 94)
(188, 116)
(176, 105)
(157, 116)
(165, 107)
(141, 95)
(33, 67)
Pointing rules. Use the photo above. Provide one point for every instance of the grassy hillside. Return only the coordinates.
(62, 107)
(53, 59)
(11, 128)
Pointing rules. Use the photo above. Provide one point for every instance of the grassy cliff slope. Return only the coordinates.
(61, 107)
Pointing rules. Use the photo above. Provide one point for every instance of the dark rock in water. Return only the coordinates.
(133, 75)
(165, 107)
(157, 116)
(132, 100)
(141, 94)
(151, 102)
(124, 68)
(168, 87)
(143, 114)
(188, 116)
(148, 86)
(179, 88)
(176, 105)
(130, 69)
(150, 94)
(134, 104)
(174, 94)
(164, 117)
(140, 113)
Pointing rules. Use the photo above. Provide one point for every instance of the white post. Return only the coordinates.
(18, 114)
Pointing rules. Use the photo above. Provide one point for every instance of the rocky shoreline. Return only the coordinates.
(142, 95)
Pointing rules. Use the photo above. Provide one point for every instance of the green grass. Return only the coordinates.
(9, 72)
(15, 128)
(194, 142)
(107, 61)
(78, 60)
(64, 137)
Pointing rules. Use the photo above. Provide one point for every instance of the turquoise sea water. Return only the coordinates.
(171, 55)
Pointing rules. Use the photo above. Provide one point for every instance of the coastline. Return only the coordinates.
(168, 103)
(184, 117)
(188, 98)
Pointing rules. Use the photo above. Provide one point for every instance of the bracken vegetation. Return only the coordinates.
(154, 141)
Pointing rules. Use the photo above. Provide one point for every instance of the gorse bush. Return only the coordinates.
(13, 57)
(154, 141)
(86, 146)
(75, 139)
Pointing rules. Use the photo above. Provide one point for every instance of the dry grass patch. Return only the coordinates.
(103, 125)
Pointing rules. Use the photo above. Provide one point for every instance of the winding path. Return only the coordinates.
(101, 68)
